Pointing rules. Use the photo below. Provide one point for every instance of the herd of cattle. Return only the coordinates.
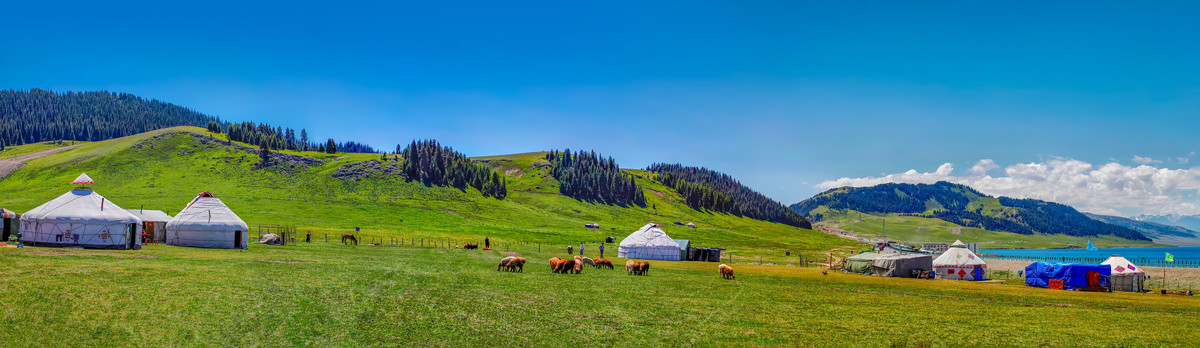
(575, 265)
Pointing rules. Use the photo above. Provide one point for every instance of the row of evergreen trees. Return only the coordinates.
(586, 175)
(434, 164)
(37, 115)
(704, 188)
(279, 138)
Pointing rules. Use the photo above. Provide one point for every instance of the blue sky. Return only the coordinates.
(785, 96)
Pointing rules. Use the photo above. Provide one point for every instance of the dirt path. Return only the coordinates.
(10, 165)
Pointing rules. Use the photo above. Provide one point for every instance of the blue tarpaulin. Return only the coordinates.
(1073, 275)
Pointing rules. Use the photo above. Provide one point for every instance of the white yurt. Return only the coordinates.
(206, 222)
(649, 243)
(1125, 275)
(959, 263)
(81, 218)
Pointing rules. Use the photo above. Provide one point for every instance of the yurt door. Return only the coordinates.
(131, 237)
(237, 239)
(978, 272)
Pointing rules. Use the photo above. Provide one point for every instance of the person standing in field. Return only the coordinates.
(308, 237)
(569, 251)
(487, 243)
(602, 250)
(580, 249)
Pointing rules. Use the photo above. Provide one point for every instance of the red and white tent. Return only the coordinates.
(83, 179)
(959, 263)
(1125, 275)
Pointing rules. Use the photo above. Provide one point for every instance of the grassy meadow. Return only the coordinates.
(165, 169)
(324, 294)
(328, 294)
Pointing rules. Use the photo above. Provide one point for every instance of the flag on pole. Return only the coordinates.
(1169, 257)
(1091, 247)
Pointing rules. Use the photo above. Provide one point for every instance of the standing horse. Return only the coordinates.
(349, 237)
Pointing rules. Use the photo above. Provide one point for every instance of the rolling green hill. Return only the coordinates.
(335, 193)
(962, 206)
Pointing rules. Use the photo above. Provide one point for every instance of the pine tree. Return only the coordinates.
(264, 153)
(330, 146)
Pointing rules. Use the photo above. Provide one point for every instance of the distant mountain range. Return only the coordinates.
(1160, 233)
(1191, 222)
(962, 205)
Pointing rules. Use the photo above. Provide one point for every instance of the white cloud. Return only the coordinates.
(983, 167)
(1185, 159)
(1105, 189)
(1144, 160)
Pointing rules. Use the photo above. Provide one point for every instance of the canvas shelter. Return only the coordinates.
(1067, 275)
(649, 243)
(1125, 275)
(901, 265)
(861, 263)
(959, 263)
(81, 218)
(207, 222)
(154, 222)
(11, 221)
(685, 247)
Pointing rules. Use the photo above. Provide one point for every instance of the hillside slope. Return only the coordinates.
(1160, 233)
(1191, 222)
(962, 206)
(335, 193)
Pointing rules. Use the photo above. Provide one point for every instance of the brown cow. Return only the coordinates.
(643, 268)
(578, 265)
(629, 267)
(505, 263)
(601, 263)
(567, 266)
(726, 271)
(555, 263)
(518, 264)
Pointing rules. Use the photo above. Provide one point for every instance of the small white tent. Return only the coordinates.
(207, 222)
(81, 218)
(649, 243)
(1125, 275)
(959, 263)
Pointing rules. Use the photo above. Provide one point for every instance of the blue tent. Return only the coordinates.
(1073, 275)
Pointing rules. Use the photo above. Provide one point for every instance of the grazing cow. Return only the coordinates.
(578, 265)
(643, 268)
(504, 263)
(517, 265)
(350, 238)
(470, 246)
(555, 263)
(589, 261)
(726, 271)
(601, 263)
(630, 266)
(567, 266)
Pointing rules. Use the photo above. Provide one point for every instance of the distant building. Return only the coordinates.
(935, 247)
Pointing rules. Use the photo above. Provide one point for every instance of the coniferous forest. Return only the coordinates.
(39, 115)
(588, 176)
(704, 188)
(277, 138)
(434, 164)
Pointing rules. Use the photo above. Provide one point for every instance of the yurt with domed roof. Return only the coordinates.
(649, 243)
(207, 222)
(959, 263)
(81, 218)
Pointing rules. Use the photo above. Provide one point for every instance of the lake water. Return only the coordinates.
(1150, 255)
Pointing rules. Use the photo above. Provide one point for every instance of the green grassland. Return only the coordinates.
(14, 151)
(165, 169)
(920, 230)
(327, 294)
